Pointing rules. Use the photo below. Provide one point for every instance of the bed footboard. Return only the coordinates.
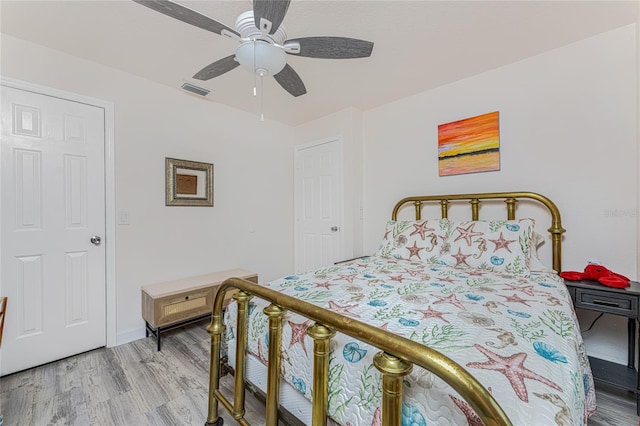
(395, 360)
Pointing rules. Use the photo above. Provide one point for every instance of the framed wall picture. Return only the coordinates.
(471, 145)
(188, 183)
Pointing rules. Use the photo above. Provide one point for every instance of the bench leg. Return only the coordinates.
(148, 331)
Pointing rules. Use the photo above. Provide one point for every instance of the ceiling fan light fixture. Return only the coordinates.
(260, 55)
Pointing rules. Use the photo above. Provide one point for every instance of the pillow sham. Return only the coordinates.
(496, 245)
(417, 240)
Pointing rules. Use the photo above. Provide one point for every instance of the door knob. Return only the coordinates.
(95, 240)
(335, 228)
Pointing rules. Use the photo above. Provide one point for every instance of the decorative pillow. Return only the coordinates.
(496, 245)
(418, 240)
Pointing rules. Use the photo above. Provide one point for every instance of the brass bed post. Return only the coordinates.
(511, 208)
(444, 208)
(556, 239)
(475, 204)
(418, 207)
(242, 298)
(321, 350)
(215, 329)
(275, 314)
(393, 369)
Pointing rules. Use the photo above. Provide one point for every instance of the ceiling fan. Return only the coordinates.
(263, 44)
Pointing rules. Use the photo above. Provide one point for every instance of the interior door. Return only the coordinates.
(52, 217)
(319, 205)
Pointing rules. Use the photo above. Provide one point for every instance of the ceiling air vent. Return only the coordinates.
(200, 91)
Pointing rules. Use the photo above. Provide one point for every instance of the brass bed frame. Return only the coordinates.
(397, 355)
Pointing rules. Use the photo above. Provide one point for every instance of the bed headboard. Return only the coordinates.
(510, 198)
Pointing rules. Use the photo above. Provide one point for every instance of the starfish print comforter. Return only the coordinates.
(518, 336)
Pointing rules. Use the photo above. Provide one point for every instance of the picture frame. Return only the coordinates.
(471, 145)
(188, 183)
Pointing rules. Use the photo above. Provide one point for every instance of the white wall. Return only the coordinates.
(567, 130)
(346, 124)
(253, 169)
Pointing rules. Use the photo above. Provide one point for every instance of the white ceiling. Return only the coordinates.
(419, 45)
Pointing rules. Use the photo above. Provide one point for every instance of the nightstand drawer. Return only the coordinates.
(169, 310)
(608, 302)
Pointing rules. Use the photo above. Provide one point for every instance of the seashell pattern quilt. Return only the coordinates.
(517, 335)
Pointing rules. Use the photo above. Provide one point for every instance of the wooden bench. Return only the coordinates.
(172, 304)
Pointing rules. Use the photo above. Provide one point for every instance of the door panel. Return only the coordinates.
(52, 202)
(318, 205)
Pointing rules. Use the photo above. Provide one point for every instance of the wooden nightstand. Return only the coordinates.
(593, 296)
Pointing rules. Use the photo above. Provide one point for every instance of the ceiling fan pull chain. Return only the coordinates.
(262, 96)
(255, 77)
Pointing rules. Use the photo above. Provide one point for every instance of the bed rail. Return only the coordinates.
(394, 361)
(510, 198)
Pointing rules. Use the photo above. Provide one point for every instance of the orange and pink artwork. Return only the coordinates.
(471, 145)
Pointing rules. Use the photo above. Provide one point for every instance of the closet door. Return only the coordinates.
(52, 217)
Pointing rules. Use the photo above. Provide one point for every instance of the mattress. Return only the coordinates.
(290, 398)
(517, 335)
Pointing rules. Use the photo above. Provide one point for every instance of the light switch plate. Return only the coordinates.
(123, 218)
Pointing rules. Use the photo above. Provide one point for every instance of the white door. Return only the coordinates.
(52, 205)
(318, 202)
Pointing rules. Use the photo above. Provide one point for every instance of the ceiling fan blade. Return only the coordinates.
(187, 15)
(327, 47)
(217, 68)
(272, 11)
(290, 81)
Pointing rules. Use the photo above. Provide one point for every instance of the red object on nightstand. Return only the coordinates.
(598, 273)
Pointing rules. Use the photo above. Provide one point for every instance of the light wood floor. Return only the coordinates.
(134, 385)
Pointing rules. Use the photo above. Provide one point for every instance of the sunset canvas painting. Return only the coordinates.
(471, 145)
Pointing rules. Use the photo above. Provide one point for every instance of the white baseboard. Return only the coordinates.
(130, 335)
